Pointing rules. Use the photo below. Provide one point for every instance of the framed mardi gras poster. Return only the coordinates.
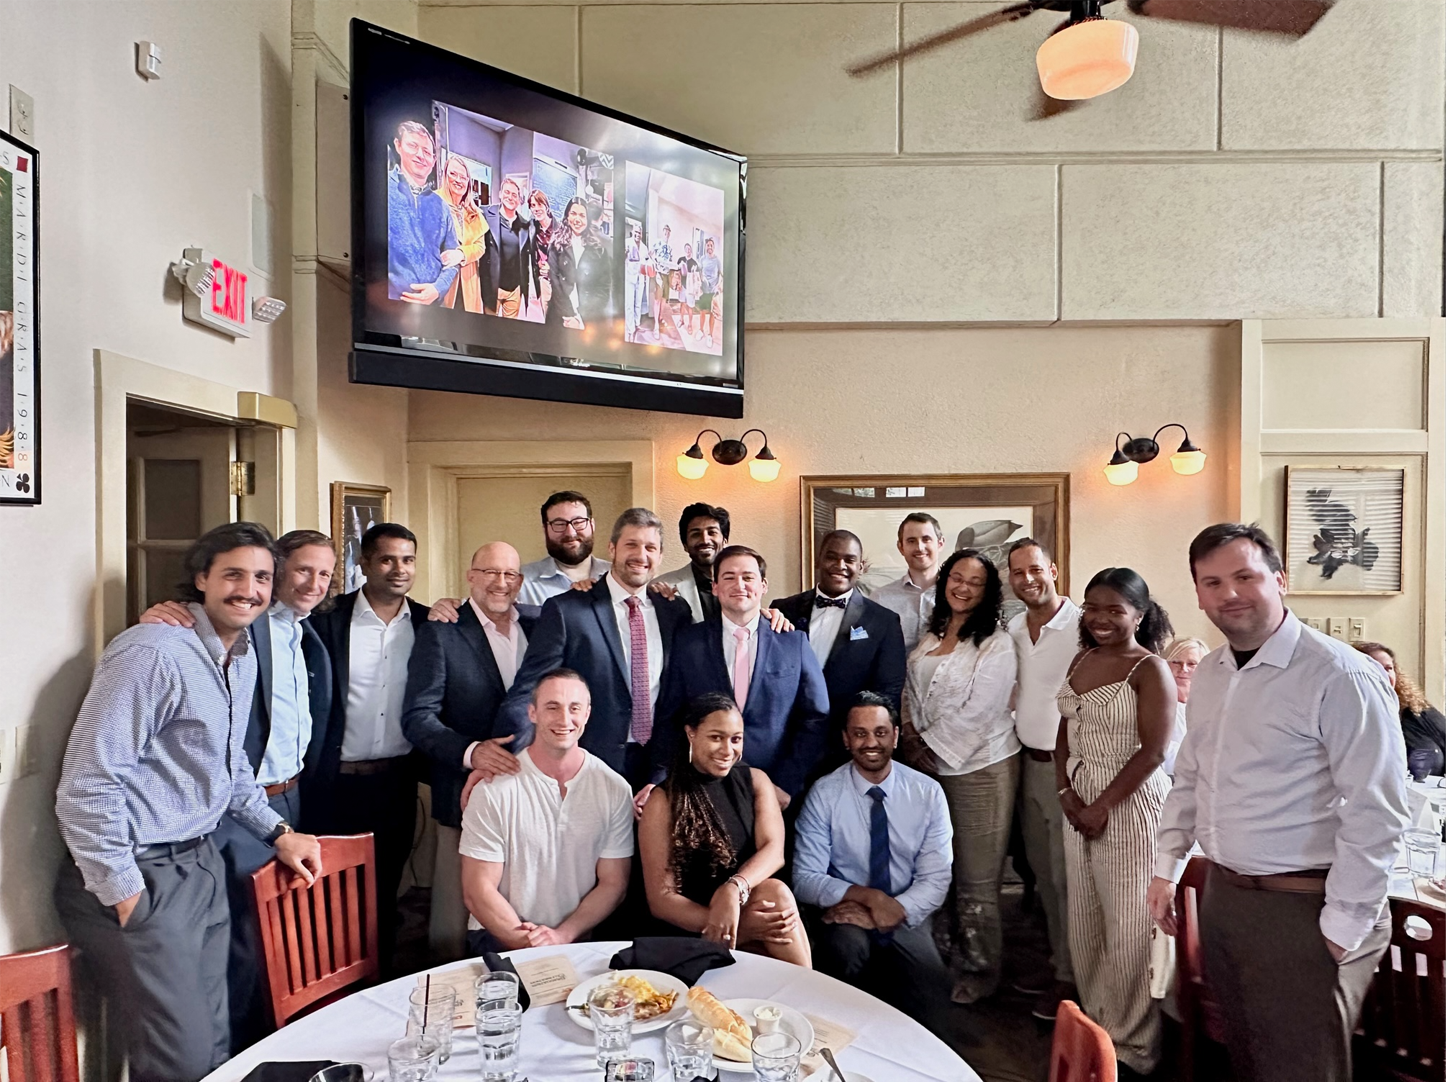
(19, 324)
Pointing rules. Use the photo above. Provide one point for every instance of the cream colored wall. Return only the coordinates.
(981, 400)
(131, 173)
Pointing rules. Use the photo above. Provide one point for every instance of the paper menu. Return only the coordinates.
(548, 980)
(461, 981)
(828, 1035)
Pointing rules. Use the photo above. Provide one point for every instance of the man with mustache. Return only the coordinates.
(155, 760)
(284, 739)
(567, 531)
(366, 780)
(704, 531)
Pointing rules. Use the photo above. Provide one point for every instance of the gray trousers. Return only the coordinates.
(1042, 823)
(905, 971)
(163, 975)
(447, 927)
(1289, 1007)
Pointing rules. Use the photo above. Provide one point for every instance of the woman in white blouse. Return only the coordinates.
(958, 727)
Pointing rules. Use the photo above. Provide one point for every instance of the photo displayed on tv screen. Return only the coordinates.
(511, 223)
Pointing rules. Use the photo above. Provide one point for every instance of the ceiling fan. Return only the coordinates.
(1089, 54)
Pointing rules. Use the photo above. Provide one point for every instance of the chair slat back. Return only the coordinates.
(1082, 1051)
(321, 939)
(37, 1024)
(1195, 995)
(1403, 1022)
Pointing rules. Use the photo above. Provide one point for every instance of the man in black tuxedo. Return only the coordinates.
(366, 778)
(457, 679)
(858, 642)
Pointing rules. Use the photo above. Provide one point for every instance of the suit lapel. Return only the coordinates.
(470, 628)
(805, 610)
(602, 608)
(851, 617)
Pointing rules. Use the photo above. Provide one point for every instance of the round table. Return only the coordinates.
(889, 1046)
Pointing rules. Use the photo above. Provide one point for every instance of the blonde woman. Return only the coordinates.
(471, 231)
(1183, 655)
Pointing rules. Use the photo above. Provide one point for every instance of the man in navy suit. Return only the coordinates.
(858, 642)
(366, 776)
(773, 676)
(284, 740)
(457, 679)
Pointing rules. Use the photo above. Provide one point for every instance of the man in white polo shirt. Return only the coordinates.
(1046, 639)
(546, 851)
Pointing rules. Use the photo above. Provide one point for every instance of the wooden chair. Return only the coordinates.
(1199, 1011)
(1082, 1050)
(37, 1026)
(1402, 1032)
(320, 940)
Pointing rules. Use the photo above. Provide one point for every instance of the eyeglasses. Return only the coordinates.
(508, 577)
(560, 525)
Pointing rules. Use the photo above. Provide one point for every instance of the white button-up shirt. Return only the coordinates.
(914, 604)
(620, 597)
(824, 624)
(290, 705)
(730, 645)
(378, 683)
(545, 578)
(1291, 763)
(1043, 665)
(507, 651)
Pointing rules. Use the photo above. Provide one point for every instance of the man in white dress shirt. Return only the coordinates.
(921, 543)
(1046, 639)
(704, 531)
(567, 531)
(1291, 780)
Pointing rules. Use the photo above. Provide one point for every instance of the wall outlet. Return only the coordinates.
(1336, 627)
(26, 749)
(1358, 629)
(22, 115)
(7, 755)
(1315, 623)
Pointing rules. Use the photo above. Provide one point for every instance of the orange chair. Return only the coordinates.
(37, 1027)
(1402, 1032)
(320, 940)
(1082, 1050)
(1198, 1009)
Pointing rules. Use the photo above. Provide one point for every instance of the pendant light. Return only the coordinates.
(1089, 56)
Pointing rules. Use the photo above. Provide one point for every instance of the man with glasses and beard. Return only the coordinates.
(567, 531)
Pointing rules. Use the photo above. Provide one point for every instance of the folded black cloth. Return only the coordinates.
(494, 961)
(287, 1070)
(680, 956)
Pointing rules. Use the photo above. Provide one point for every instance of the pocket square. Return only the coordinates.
(857, 633)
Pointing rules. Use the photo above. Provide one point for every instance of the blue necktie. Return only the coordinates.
(879, 855)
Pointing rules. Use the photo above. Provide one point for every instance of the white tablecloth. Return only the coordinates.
(889, 1047)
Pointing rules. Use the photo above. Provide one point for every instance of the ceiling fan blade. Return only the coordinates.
(1010, 14)
(1291, 17)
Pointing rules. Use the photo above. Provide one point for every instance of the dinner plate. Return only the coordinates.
(790, 1021)
(663, 982)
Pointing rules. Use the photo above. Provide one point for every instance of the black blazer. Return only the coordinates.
(591, 274)
(454, 690)
(318, 672)
(490, 265)
(333, 628)
(867, 655)
(577, 630)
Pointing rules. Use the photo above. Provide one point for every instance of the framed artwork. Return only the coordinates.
(354, 510)
(1344, 529)
(19, 323)
(983, 511)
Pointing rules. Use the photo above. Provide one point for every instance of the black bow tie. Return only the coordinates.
(821, 602)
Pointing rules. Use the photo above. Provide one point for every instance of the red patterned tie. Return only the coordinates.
(642, 726)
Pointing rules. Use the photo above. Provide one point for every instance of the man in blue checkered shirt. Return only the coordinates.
(155, 759)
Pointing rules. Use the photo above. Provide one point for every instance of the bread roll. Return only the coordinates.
(727, 1046)
(709, 1010)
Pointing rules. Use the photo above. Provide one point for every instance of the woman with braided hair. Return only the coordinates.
(711, 839)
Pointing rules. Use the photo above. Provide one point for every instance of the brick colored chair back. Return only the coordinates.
(37, 1026)
(1402, 1032)
(1082, 1050)
(318, 941)
(1199, 1012)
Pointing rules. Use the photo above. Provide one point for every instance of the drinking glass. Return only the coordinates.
(611, 1009)
(690, 1050)
(629, 1070)
(414, 1059)
(1421, 846)
(776, 1057)
(496, 987)
(499, 1036)
(431, 1015)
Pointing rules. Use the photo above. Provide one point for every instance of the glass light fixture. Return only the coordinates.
(1089, 56)
(1124, 467)
(1121, 471)
(691, 463)
(764, 467)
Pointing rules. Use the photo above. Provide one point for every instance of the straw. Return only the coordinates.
(426, 1001)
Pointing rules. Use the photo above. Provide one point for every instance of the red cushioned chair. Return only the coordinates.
(1199, 1013)
(1402, 1033)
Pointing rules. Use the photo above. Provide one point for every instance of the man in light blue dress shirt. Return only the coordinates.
(567, 531)
(874, 854)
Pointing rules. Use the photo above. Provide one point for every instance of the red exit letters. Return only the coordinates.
(228, 292)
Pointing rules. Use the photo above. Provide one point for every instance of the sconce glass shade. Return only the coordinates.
(692, 468)
(1087, 59)
(1188, 462)
(764, 469)
(1122, 472)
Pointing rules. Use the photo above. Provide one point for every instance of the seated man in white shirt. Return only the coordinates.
(546, 851)
(873, 852)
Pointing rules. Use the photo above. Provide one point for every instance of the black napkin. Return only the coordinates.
(494, 962)
(682, 957)
(287, 1070)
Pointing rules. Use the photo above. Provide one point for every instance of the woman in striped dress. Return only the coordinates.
(1117, 710)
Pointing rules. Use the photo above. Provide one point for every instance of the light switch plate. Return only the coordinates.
(22, 115)
(7, 756)
(1336, 627)
(1358, 628)
(26, 748)
(1315, 623)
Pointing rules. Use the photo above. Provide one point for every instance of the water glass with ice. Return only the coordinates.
(610, 1009)
(776, 1057)
(415, 1058)
(1421, 847)
(496, 987)
(432, 1009)
(690, 1050)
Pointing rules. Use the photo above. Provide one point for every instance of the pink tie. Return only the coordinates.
(642, 723)
(740, 666)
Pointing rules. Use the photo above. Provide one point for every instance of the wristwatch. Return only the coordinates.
(282, 827)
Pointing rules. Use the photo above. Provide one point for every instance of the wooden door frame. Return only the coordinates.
(434, 468)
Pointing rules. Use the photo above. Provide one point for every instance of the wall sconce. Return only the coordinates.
(1124, 466)
(764, 467)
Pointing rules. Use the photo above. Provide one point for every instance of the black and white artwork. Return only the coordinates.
(1344, 529)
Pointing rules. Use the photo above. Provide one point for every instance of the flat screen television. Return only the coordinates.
(511, 239)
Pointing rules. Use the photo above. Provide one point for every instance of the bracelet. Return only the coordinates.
(1066, 789)
(741, 886)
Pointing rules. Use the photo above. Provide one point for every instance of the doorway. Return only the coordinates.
(506, 505)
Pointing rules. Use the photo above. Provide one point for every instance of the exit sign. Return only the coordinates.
(226, 306)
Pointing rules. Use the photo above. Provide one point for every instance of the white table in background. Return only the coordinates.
(889, 1046)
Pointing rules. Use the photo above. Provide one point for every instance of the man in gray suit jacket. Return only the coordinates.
(704, 530)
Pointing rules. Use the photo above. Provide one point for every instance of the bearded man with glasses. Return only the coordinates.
(458, 676)
(567, 531)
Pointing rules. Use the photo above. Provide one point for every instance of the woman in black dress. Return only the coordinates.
(1422, 726)
(712, 837)
(580, 271)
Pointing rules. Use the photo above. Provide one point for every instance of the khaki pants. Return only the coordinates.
(447, 929)
(509, 304)
(1042, 823)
